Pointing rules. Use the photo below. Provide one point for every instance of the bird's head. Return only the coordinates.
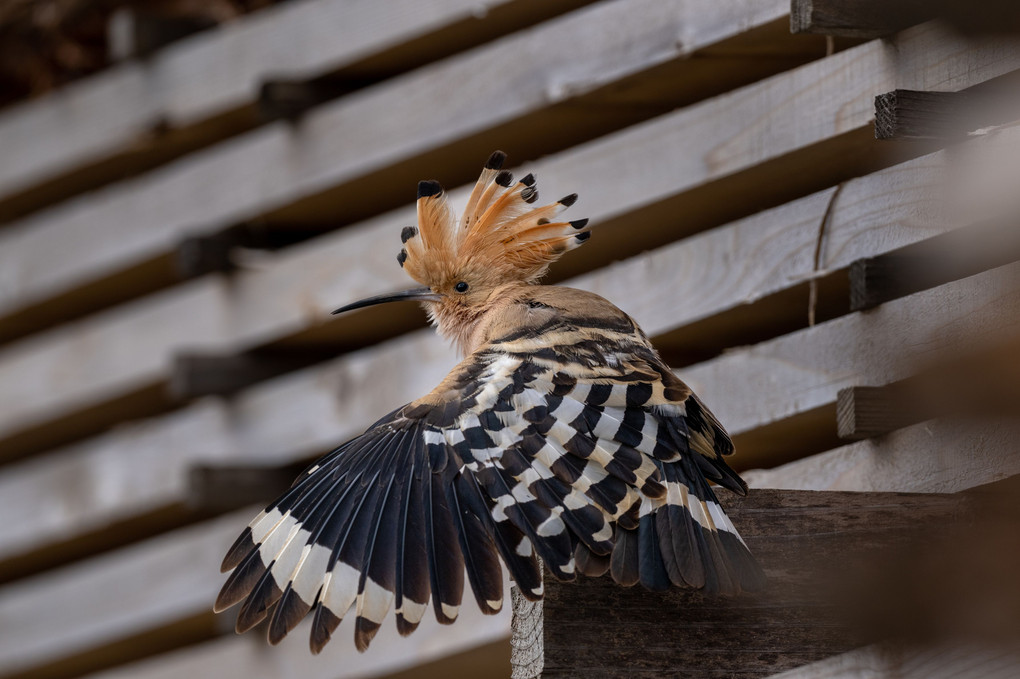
(502, 241)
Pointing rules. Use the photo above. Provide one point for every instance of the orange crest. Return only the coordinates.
(501, 236)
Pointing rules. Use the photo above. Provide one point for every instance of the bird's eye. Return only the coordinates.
(461, 287)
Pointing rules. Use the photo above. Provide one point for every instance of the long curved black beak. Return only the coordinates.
(414, 295)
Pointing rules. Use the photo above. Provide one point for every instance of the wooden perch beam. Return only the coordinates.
(971, 452)
(813, 545)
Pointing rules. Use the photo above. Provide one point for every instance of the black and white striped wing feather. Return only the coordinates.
(590, 466)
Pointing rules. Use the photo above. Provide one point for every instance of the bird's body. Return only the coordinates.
(560, 435)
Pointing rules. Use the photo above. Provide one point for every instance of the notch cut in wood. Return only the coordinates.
(194, 375)
(935, 261)
(867, 412)
(221, 488)
(857, 18)
(288, 99)
(871, 19)
(913, 114)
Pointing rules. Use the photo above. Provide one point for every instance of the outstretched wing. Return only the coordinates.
(593, 461)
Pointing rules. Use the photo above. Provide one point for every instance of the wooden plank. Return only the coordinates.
(811, 545)
(84, 617)
(118, 112)
(858, 18)
(59, 617)
(989, 243)
(201, 194)
(432, 652)
(193, 375)
(910, 114)
(798, 374)
(867, 412)
(108, 490)
(939, 456)
(106, 368)
(915, 661)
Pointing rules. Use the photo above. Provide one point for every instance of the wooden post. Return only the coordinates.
(285, 99)
(194, 375)
(867, 412)
(200, 255)
(526, 637)
(857, 18)
(221, 488)
(139, 32)
(928, 263)
(822, 553)
(916, 115)
(875, 280)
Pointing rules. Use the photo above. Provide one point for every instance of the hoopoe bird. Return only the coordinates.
(560, 436)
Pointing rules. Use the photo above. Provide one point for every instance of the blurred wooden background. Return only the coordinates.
(187, 189)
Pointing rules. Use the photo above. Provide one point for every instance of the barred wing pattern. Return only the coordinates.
(540, 444)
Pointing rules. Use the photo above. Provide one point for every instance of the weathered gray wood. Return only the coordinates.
(866, 412)
(911, 114)
(116, 111)
(76, 371)
(858, 18)
(289, 98)
(475, 646)
(200, 255)
(81, 616)
(874, 280)
(139, 32)
(807, 541)
(80, 498)
(950, 256)
(801, 373)
(940, 456)
(224, 487)
(58, 615)
(193, 375)
(202, 194)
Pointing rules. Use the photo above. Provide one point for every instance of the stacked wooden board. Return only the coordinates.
(729, 168)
